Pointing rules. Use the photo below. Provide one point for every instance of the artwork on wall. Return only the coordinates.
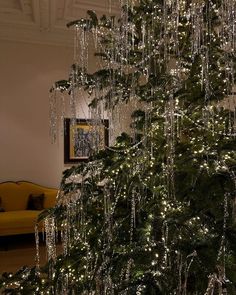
(83, 138)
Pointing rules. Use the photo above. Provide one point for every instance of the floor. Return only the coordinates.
(20, 251)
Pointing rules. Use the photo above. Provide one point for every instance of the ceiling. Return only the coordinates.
(44, 21)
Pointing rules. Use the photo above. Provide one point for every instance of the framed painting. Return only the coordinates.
(83, 138)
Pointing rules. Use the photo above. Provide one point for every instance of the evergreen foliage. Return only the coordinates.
(154, 214)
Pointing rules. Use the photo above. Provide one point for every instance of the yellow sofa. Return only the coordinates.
(14, 196)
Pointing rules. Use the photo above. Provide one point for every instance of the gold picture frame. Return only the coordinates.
(83, 138)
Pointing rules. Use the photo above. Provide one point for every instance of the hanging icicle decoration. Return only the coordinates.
(133, 213)
(108, 213)
(218, 279)
(50, 231)
(180, 270)
(37, 256)
(197, 22)
(71, 226)
(165, 241)
(124, 34)
(128, 269)
(165, 30)
(173, 25)
(53, 116)
(81, 50)
(57, 110)
(187, 268)
(73, 94)
(84, 45)
(222, 251)
(228, 19)
(170, 133)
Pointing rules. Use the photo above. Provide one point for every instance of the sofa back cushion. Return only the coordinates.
(15, 195)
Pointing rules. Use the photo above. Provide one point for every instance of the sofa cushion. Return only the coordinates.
(35, 202)
(18, 222)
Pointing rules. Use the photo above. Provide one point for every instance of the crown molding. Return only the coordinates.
(31, 34)
(44, 21)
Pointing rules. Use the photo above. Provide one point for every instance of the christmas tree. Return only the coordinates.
(155, 212)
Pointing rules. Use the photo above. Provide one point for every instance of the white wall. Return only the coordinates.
(27, 71)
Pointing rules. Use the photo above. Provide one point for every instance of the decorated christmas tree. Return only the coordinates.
(153, 213)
